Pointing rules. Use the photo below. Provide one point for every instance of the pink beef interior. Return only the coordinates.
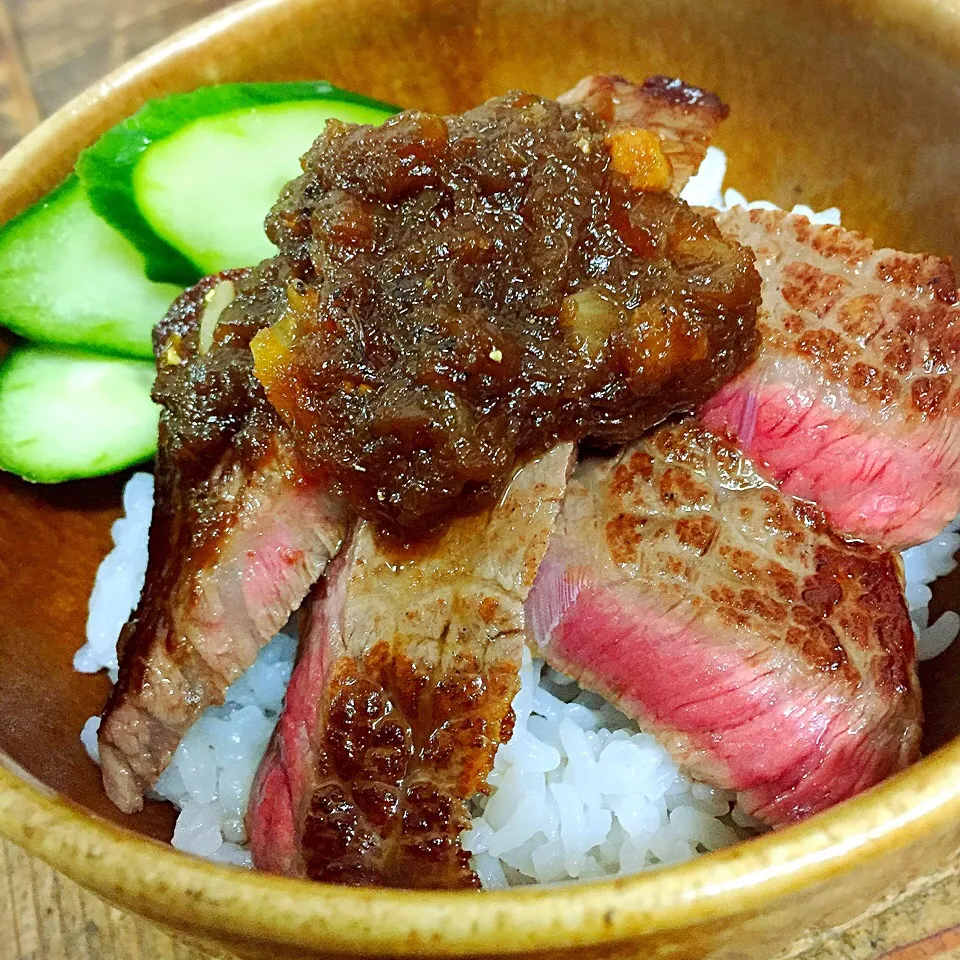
(765, 653)
(852, 402)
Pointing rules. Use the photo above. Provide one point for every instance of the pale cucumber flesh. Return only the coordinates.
(207, 188)
(67, 277)
(65, 414)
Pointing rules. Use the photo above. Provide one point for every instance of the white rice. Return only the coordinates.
(116, 587)
(579, 791)
(705, 189)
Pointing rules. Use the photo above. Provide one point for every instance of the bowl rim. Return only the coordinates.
(212, 899)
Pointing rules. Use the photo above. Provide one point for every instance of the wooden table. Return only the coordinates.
(49, 50)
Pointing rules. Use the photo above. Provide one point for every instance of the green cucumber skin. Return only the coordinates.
(215, 214)
(68, 278)
(107, 169)
(53, 430)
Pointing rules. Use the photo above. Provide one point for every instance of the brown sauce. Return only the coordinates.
(466, 291)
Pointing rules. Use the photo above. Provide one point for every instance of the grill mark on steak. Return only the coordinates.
(853, 401)
(237, 537)
(767, 654)
(401, 695)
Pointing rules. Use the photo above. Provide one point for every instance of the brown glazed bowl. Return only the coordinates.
(847, 102)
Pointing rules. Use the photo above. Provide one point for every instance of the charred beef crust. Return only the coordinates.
(477, 288)
(202, 615)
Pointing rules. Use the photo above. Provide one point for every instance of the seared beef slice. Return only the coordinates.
(765, 653)
(401, 696)
(238, 535)
(853, 399)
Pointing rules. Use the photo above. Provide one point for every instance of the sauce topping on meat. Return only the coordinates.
(469, 290)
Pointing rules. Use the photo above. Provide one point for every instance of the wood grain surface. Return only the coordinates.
(50, 50)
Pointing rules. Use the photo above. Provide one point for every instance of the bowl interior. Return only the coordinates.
(831, 104)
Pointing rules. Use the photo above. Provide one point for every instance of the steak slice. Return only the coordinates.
(408, 664)
(764, 652)
(682, 116)
(237, 538)
(852, 402)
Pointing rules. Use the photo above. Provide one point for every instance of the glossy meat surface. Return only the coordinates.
(764, 652)
(401, 696)
(853, 401)
(237, 538)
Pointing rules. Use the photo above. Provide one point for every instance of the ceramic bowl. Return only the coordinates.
(852, 103)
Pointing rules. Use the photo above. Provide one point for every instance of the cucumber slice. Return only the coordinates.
(190, 178)
(66, 414)
(66, 277)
